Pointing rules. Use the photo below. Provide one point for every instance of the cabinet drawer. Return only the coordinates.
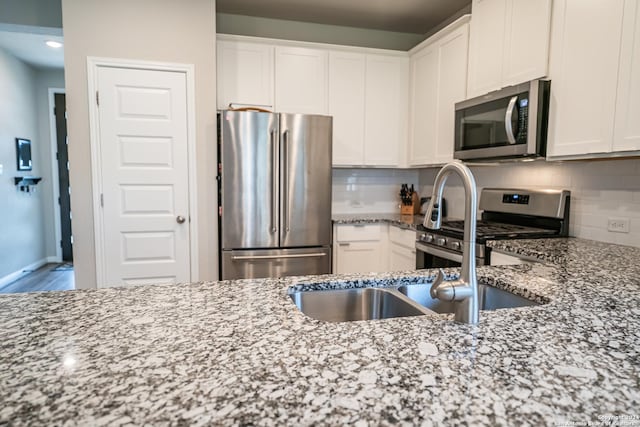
(402, 236)
(359, 232)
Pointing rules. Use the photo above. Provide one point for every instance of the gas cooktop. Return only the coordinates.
(492, 229)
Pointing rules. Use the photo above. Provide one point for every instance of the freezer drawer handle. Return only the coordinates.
(249, 257)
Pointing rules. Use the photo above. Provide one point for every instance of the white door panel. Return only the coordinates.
(144, 171)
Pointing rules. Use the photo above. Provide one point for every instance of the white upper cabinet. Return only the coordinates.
(346, 105)
(386, 110)
(627, 123)
(526, 49)
(486, 46)
(508, 43)
(244, 74)
(368, 99)
(424, 105)
(584, 76)
(438, 81)
(301, 80)
(366, 92)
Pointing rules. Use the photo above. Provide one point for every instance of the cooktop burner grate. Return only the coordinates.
(496, 229)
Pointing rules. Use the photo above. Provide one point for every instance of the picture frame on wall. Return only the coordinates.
(23, 154)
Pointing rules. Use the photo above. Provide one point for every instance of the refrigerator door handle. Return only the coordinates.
(249, 257)
(285, 178)
(274, 190)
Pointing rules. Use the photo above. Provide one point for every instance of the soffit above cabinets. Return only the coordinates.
(407, 16)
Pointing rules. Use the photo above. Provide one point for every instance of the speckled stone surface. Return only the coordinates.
(240, 353)
(402, 221)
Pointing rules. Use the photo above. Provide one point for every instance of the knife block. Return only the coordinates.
(413, 208)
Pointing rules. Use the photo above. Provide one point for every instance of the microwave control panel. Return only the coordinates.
(523, 119)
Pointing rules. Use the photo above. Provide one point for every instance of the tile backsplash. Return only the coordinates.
(600, 191)
(370, 190)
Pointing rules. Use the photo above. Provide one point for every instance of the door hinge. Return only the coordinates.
(102, 200)
(60, 243)
(55, 111)
(59, 202)
(57, 158)
(97, 98)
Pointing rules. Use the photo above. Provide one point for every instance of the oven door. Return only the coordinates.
(428, 256)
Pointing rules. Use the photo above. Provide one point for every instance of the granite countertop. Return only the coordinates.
(410, 222)
(240, 353)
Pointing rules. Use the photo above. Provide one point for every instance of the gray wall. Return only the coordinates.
(152, 30)
(311, 32)
(21, 214)
(37, 13)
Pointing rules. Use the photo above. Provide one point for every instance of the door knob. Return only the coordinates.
(180, 219)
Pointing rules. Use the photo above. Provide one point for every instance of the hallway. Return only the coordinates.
(49, 277)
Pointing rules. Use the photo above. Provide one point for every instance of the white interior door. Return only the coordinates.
(142, 116)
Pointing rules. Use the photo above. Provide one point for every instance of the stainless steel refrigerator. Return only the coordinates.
(274, 185)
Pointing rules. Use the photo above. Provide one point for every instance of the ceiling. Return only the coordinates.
(31, 48)
(407, 16)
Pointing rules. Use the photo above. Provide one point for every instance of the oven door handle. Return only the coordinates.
(507, 120)
(439, 252)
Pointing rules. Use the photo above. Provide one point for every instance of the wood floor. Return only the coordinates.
(46, 278)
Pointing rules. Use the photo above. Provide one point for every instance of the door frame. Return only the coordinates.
(93, 64)
(55, 179)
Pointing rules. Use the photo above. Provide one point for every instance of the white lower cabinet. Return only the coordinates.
(498, 258)
(402, 249)
(372, 248)
(360, 248)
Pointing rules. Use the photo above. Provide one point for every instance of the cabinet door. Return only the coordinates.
(401, 258)
(627, 124)
(359, 257)
(526, 50)
(386, 108)
(244, 74)
(486, 46)
(438, 81)
(346, 105)
(424, 105)
(300, 80)
(452, 87)
(584, 73)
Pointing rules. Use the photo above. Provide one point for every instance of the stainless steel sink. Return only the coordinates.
(490, 298)
(356, 304)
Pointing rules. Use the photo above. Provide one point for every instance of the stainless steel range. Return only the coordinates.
(506, 214)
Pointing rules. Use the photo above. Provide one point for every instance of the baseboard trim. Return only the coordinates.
(12, 277)
(54, 259)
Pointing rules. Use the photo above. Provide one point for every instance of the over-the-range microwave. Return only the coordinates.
(508, 123)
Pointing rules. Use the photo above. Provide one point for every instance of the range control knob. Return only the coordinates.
(441, 241)
(428, 238)
(455, 246)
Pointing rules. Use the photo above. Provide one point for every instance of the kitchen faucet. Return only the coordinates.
(464, 290)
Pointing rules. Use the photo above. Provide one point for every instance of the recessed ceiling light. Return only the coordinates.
(54, 44)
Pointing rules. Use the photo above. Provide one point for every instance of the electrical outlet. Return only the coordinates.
(618, 225)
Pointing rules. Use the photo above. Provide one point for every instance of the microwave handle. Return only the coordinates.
(507, 120)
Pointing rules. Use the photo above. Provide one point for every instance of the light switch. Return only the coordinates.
(1, 168)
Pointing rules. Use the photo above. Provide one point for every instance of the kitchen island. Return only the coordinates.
(240, 352)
